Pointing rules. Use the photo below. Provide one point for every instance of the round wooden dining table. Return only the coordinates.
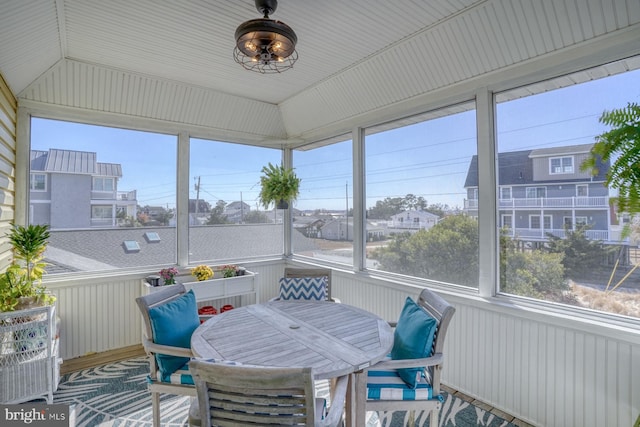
(334, 339)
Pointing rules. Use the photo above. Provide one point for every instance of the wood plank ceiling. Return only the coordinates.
(172, 60)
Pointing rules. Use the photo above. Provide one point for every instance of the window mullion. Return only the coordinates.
(487, 200)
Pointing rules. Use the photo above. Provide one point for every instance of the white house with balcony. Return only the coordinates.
(71, 189)
(412, 221)
(544, 191)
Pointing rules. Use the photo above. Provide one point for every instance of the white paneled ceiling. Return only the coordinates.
(172, 60)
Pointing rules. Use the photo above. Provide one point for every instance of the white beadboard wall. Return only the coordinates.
(101, 314)
(539, 371)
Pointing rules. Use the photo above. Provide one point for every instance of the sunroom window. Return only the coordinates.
(425, 167)
(226, 220)
(543, 133)
(323, 226)
(89, 228)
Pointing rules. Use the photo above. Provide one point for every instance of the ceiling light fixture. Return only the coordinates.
(265, 45)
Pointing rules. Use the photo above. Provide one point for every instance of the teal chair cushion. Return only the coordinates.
(173, 324)
(413, 339)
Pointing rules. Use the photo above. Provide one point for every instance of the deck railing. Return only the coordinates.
(547, 202)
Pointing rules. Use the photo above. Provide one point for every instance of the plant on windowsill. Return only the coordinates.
(279, 185)
(202, 272)
(229, 270)
(21, 283)
(169, 275)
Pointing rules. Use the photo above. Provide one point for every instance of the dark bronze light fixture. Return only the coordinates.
(265, 45)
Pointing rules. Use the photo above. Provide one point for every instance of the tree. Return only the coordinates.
(256, 217)
(217, 215)
(384, 209)
(623, 142)
(533, 274)
(581, 256)
(447, 252)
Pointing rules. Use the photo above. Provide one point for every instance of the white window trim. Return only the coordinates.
(503, 216)
(510, 193)
(562, 169)
(104, 179)
(31, 175)
(582, 186)
(542, 219)
(535, 188)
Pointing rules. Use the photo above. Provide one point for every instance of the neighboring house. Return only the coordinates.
(71, 189)
(309, 226)
(342, 229)
(412, 221)
(543, 191)
(235, 211)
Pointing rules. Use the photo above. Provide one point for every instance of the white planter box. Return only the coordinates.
(216, 288)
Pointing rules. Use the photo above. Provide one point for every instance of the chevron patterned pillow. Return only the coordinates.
(301, 288)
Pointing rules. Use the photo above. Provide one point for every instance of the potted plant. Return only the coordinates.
(202, 273)
(280, 186)
(21, 284)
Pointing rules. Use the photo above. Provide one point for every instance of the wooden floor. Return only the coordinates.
(97, 359)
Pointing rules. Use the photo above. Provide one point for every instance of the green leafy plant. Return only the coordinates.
(622, 142)
(23, 278)
(278, 184)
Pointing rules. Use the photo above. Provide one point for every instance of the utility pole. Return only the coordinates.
(241, 209)
(197, 197)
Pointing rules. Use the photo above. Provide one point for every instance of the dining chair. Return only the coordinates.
(409, 379)
(306, 283)
(242, 395)
(170, 316)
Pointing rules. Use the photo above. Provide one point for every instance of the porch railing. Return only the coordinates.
(547, 202)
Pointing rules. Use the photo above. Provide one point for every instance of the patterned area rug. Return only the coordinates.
(116, 395)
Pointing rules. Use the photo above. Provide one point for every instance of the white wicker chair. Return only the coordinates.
(237, 395)
(442, 311)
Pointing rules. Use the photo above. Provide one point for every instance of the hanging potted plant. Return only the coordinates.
(20, 284)
(280, 186)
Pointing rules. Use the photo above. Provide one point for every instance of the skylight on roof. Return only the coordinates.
(152, 237)
(131, 246)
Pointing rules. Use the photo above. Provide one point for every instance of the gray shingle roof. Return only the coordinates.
(206, 243)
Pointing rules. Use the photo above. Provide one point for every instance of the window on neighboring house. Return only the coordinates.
(505, 193)
(223, 173)
(424, 163)
(507, 221)
(326, 192)
(103, 184)
(559, 165)
(536, 192)
(101, 212)
(582, 190)
(38, 182)
(95, 232)
(527, 129)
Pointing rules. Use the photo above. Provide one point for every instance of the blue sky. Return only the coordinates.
(428, 159)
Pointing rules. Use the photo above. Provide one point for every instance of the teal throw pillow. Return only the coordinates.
(413, 339)
(173, 324)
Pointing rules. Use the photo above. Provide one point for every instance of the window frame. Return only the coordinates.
(103, 179)
(563, 169)
(32, 175)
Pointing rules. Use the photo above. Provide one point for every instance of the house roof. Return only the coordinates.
(516, 167)
(174, 62)
(73, 162)
(102, 249)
